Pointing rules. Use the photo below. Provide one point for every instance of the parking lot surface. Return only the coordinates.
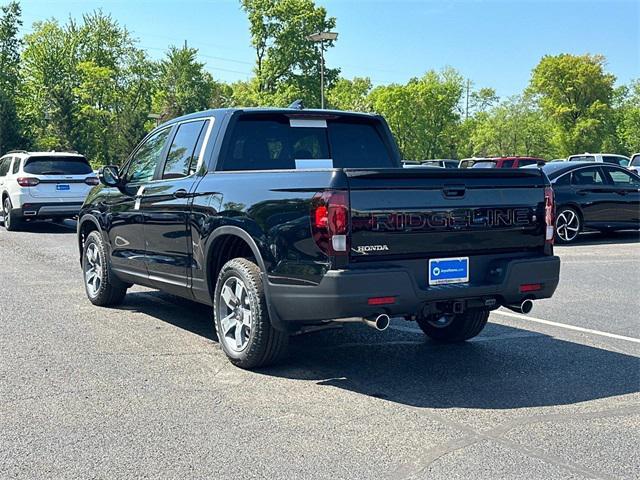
(143, 391)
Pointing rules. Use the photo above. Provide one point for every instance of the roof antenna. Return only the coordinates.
(297, 105)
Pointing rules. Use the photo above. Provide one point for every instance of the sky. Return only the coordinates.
(494, 43)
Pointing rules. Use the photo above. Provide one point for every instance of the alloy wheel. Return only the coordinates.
(568, 225)
(235, 314)
(93, 270)
(5, 212)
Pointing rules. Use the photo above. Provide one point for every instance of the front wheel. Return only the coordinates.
(454, 327)
(568, 225)
(102, 286)
(241, 317)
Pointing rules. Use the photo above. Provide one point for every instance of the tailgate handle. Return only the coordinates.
(454, 191)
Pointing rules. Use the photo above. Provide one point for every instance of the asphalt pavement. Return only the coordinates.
(143, 391)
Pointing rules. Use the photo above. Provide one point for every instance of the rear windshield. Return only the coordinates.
(484, 165)
(268, 142)
(57, 166)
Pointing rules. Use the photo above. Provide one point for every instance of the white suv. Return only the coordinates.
(42, 185)
(600, 158)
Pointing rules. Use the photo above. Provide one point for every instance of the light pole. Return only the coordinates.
(320, 38)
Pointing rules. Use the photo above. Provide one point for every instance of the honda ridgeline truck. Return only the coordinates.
(284, 220)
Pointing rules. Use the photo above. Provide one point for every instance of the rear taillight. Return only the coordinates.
(91, 181)
(28, 181)
(330, 221)
(549, 214)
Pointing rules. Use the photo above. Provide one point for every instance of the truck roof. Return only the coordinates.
(221, 112)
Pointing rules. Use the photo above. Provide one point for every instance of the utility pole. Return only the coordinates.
(466, 112)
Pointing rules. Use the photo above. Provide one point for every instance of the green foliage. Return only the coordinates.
(422, 114)
(287, 63)
(575, 92)
(350, 95)
(86, 87)
(10, 44)
(183, 84)
(514, 127)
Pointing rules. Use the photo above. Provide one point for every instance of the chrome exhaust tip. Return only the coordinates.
(525, 307)
(380, 323)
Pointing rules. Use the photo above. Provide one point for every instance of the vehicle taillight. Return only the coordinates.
(549, 214)
(28, 181)
(91, 181)
(330, 221)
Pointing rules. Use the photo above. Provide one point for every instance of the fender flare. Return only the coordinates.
(277, 323)
(238, 232)
(81, 222)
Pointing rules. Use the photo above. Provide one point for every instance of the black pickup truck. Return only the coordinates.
(286, 220)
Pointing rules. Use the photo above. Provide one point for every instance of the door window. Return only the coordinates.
(587, 177)
(620, 178)
(185, 150)
(144, 162)
(16, 165)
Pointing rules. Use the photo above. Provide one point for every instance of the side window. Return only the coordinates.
(185, 150)
(507, 163)
(4, 166)
(620, 178)
(587, 176)
(144, 162)
(562, 181)
(524, 163)
(623, 162)
(16, 165)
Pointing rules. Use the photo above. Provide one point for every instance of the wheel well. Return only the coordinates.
(85, 229)
(223, 249)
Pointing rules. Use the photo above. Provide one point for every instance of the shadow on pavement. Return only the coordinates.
(49, 227)
(505, 367)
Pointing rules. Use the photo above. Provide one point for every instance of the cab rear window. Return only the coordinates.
(57, 166)
(268, 142)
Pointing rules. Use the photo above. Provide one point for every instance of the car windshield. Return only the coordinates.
(484, 164)
(635, 161)
(57, 165)
(583, 158)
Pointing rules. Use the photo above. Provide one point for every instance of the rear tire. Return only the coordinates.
(11, 222)
(452, 328)
(103, 288)
(241, 317)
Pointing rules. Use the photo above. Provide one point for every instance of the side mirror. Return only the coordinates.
(110, 176)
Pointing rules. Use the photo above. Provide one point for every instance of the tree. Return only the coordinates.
(287, 63)
(86, 87)
(514, 127)
(183, 85)
(423, 114)
(10, 22)
(350, 94)
(625, 124)
(575, 92)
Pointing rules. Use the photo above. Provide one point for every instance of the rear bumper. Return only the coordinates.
(48, 210)
(345, 293)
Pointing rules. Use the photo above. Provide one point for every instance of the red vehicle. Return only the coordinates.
(507, 162)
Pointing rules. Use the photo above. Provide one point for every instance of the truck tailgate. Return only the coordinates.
(414, 213)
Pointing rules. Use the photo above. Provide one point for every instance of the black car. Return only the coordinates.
(592, 196)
